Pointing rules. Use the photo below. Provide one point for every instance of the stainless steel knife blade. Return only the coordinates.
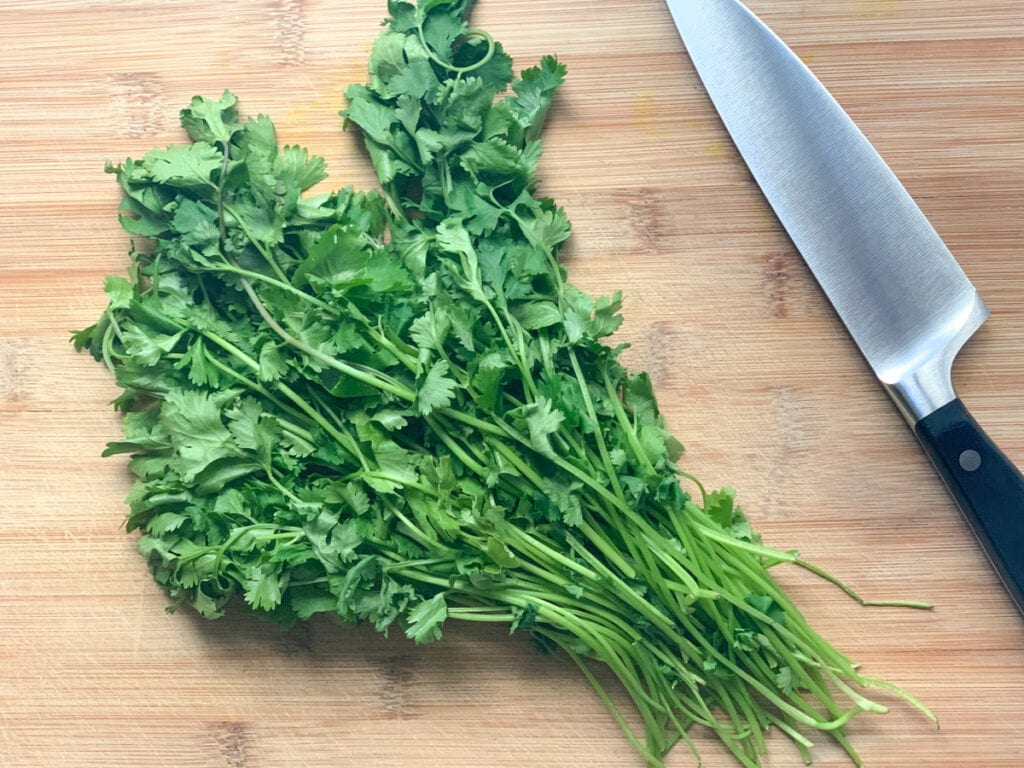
(898, 289)
(900, 292)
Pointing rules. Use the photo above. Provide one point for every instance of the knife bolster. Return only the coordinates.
(922, 388)
(923, 392)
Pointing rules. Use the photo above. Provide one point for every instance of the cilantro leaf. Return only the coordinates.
(193, 420)
(211, 121)
(436, 390)
(535, 90)
(425, 619)
(543, 421)
(187, 166)
(263, 586)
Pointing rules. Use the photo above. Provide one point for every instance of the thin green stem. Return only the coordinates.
(491, 47)
(626, 425)
(266, 254)
(342, 439)
(373, 379)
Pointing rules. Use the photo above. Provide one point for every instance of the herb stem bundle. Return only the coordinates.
(393, 408)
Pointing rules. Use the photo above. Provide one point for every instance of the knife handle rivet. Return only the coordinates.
(970, 460)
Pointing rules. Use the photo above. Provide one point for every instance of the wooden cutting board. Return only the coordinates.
(754, 373)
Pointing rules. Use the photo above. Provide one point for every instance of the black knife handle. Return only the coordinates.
(986, 485)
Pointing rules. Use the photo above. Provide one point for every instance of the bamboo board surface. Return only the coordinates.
(753, 371)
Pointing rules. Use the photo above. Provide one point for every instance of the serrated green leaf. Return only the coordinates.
(211, 121)
(436, 390)
(146, 347)
(425, 619)
(263, 587)
(193, 421)
(119, 291)
(272, 364)
(252, 429)
(372, 117)
(188, 166)
(543, 421)
(537, 314)
(196, 223)
(165, 523)
(296, 168)
(535, 90)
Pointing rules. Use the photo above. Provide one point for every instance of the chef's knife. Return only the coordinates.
(901, 294)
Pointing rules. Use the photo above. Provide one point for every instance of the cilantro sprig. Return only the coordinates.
(391, 407)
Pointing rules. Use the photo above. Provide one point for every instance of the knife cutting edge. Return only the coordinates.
(899, 291)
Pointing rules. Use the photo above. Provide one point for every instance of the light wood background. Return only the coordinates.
(754, 373)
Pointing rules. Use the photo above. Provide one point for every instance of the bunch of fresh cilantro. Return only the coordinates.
(392, 408)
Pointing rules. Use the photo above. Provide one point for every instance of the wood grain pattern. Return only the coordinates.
(754, 373)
